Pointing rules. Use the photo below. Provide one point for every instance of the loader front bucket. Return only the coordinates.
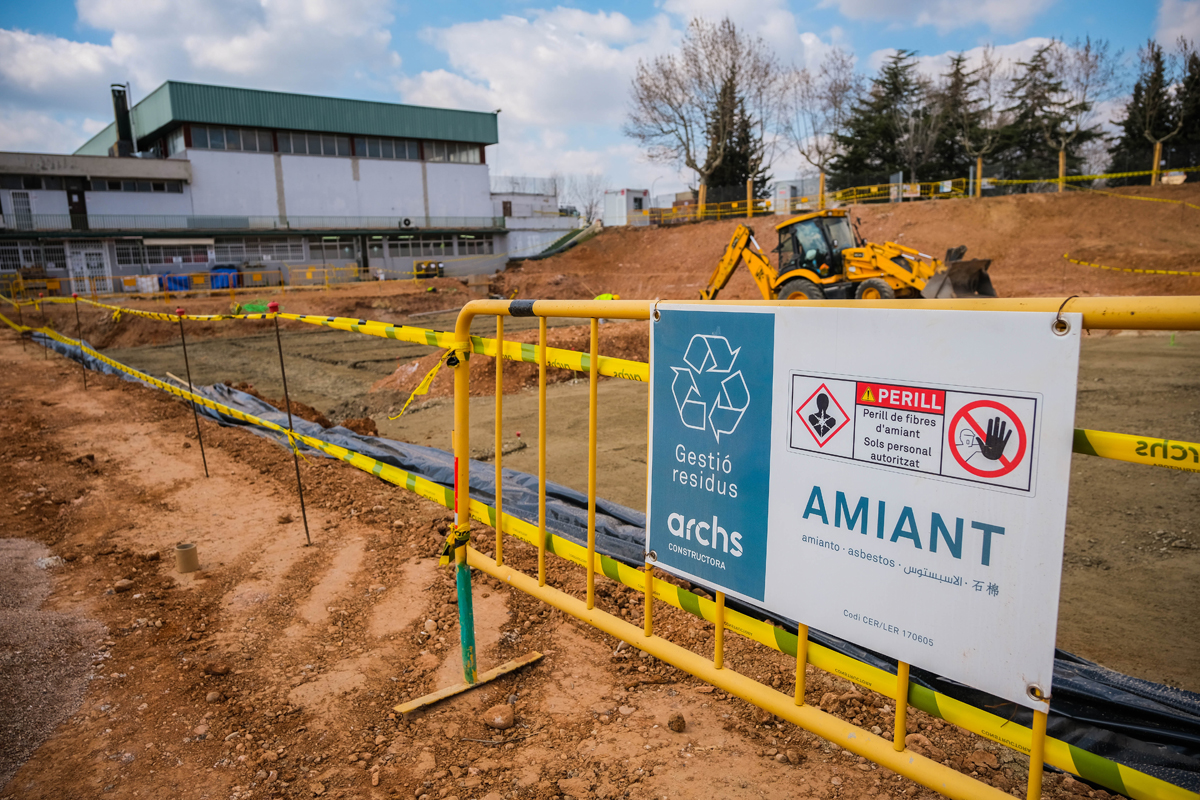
(961, 279)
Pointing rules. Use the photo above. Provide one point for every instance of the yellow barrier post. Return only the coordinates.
(749, 197)
(1037, 755)
(821, 191)
(648, 624)
(79, 336)
(901, 706)
(542, 451)
(719, 633)
(801, 662)
(593, 375)
(42, 308)
(499, 440)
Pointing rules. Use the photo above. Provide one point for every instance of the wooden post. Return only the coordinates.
(703, 200)
(1157, 162)
(749, 197)
(979, 176)
(821, 192)
(1062, 170)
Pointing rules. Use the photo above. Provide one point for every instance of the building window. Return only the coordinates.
(27, 255)
(454, 152)
(437, 246)
(475, 244)
(177, 254)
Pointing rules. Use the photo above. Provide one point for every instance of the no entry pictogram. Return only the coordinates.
(987, 443)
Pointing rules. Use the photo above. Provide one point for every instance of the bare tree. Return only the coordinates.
(816, 105)
(981, 119)
(677, 98)
(586, 193)
(918, 120)
(1087, 75)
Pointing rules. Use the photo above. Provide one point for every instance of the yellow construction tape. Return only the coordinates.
(1139, 449)
(1181, 273)
(513, 351)
(456, 538)
(1134, 196)
(1072, 178)
(426, 382)
(1059, 754)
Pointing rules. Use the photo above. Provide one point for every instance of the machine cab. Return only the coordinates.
(814, 242)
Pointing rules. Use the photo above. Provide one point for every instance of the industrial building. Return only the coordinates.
(277, 184)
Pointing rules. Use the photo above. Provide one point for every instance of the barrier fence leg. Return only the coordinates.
(801, 662)
(466, 615)
(462, 507)
(79, 336)
(21, 322)
(719, 633)
(287, 401)
(1037, 755)
(901, 705)
(499, 440)
(541, 451)
(191, 388)
(593, 376)
(648, 625)
(42, 310)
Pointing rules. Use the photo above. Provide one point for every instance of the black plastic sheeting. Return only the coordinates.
(1147, 726)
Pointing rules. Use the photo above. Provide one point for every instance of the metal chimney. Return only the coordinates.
(124, 144)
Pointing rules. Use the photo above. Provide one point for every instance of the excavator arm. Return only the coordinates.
(742, 246)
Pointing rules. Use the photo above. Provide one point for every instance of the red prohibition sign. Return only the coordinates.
(1007, 466)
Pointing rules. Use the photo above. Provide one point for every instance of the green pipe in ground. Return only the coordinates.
(466, 617)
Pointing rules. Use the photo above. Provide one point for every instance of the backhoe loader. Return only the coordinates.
(820, 257)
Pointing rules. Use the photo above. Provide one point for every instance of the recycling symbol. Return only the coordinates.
(708, 393)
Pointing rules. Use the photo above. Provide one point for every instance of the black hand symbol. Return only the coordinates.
(997, 439)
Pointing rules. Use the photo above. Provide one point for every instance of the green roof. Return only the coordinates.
(174, 103)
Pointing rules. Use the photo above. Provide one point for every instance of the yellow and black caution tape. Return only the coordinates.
(1059, 754)
(1181, 273)
(449, 357)
(513, 351)
(456, 538)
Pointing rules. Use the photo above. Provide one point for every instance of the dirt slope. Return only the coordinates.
(1024, 235)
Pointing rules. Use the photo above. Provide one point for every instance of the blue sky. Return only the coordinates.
(560, 72)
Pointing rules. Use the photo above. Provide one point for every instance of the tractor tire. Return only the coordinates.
(799, 289)
(875, 289)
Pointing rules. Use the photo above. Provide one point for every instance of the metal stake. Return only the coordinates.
(191, 388)
(79, 336)
(273, 307)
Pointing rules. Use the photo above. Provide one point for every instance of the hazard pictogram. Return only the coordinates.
(822, 415)
(982, 439)
(867, 396)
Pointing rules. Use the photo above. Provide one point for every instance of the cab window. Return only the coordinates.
(840, 234)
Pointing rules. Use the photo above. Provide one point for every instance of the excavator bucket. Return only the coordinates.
(960, 278)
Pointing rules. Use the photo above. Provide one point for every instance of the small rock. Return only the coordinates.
(982, 758)
(318, 789)
(676, 722)
(835, 780)
(123, 585)
(213, 697)
(431, 625)
(398, 523)
(781, 758)
(380, 740)
(499, 717)
(217, 668)
(374, 778)
(270, 755)
(625, 711)
(794, 757)
(151, 555)
(272, 776)
(200, 730)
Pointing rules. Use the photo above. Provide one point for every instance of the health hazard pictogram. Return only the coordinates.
(822, 415)
(982, 439)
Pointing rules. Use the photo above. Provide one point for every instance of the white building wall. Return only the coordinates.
(459, 190)
(389, 188)
(230, 184)
(40, 201)
(122, 203)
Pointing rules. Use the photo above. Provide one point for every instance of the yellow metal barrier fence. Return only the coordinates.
(1183, 313)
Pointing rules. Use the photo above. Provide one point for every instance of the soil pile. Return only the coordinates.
(1024, 235)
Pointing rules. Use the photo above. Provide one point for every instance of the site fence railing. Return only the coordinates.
(83, 224)
(1144, 313)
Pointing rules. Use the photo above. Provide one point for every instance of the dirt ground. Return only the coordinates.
(272, 671)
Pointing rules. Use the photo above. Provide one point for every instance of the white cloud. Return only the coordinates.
(36, 132)
(290, 45)
(1178, 18)
(1006, 16)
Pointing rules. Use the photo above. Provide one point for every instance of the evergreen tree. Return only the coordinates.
(1188, 111)
(1150, 115)
(743, 151)
(1037, 116)
(870, 142)
(958, 109)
